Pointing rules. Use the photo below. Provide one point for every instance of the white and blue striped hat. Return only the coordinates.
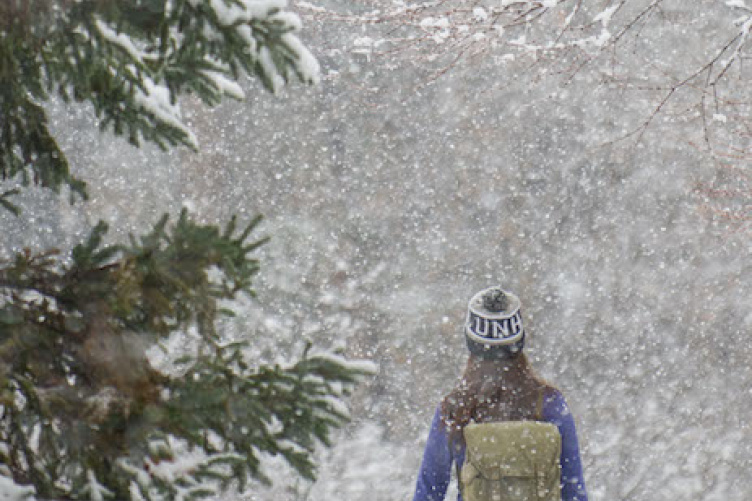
(494, 324)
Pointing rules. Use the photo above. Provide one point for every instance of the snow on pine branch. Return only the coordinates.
(366, 367)
(242, 14)
(95, 491)
(155, 100)
(11, 491)
(122, 41)
(179, 472)
(254, 36)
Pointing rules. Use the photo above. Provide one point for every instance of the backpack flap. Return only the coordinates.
(513, 456)
(493, 470)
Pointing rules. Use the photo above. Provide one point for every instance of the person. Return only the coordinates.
(499, 390)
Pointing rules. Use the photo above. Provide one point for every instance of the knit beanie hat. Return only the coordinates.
(494, 324)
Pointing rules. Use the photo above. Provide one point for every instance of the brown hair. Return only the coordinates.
(504, 389)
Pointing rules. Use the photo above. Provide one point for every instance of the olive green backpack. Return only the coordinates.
(511, 461)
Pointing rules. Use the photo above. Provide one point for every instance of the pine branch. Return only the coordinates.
(132, 62)
(73, 340)
(276, 410)
(83, 412)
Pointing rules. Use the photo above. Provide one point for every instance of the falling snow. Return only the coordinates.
(391, 196)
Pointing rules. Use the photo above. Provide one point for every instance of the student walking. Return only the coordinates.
(509, 435)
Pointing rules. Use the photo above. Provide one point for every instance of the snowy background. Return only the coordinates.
(391, 200)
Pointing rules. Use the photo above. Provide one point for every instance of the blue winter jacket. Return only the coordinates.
(436, 468)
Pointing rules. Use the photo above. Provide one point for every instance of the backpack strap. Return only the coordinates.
(459, 475)
(539, 407)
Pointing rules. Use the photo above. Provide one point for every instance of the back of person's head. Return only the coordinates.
(498, 383)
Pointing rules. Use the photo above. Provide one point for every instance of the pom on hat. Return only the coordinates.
(494, 324)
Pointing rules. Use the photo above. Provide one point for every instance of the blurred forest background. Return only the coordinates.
(402, 184)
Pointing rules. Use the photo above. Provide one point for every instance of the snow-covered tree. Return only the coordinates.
(95, 400)
(131, 60)
(690, 72)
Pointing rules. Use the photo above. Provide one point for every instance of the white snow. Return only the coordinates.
(230, 13)
(336, 405)
(224, 84)
(431, 22)
(366, 366)
(388, 206)
(364, 42)
(155, 99)
(480, 13)
(11, 491)
(737, 3)
(604, 17)
(276, 81)
(287, 18)
(307, 64)
(120, 39)
(94, 490)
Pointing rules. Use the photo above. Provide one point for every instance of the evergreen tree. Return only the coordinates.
(85, 410)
